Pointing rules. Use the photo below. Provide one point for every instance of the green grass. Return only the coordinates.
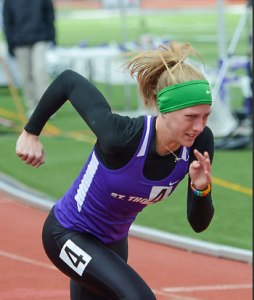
(63, 162)
(199, 29)
(232, 223)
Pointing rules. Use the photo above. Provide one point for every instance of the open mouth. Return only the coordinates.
(191, 136)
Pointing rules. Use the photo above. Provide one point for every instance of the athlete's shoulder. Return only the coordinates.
(204, 142)
(125, 134)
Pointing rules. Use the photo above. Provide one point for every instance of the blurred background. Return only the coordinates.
(90, 38)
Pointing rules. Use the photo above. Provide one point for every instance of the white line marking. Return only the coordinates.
(173, 297)
(207, 288)
(27, 260)
(4, 200)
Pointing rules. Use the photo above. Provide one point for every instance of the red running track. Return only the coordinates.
(26, 272)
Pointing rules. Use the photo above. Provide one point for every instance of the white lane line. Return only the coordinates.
(4, 200)
(27, 260)
(207, 288)
(173, 296)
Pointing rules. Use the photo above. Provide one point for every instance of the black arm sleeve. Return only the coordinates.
(89, 103)
(200, 210)
(71, 86)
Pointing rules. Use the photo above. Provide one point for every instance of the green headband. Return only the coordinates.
(184, 95)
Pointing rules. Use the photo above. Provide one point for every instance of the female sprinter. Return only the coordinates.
(135, 162)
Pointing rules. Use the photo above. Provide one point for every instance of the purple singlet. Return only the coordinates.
(105, 202)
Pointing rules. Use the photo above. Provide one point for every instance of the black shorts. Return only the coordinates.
(95, 268)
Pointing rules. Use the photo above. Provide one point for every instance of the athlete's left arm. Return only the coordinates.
(200, 210)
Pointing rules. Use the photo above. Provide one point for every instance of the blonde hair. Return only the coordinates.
(161, 68)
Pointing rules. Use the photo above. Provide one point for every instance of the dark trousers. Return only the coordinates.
(97, 271)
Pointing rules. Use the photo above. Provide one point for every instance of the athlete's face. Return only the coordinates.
(184, 125)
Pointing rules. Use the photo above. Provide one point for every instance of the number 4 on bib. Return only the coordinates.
(75, 257)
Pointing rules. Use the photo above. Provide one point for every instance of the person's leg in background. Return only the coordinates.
(40, 74)
(23, 59)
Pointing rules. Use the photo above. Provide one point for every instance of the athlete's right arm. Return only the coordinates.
(112, 130)
(30, 149)
(83, 95)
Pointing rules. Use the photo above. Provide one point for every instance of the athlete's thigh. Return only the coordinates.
(79, 292)
(103, 271)
(85, 259)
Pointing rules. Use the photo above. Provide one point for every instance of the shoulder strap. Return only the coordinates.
(185, 155)
(142, 150)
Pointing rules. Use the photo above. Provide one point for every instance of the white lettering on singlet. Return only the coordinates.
(157, 194)
(86, 181)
